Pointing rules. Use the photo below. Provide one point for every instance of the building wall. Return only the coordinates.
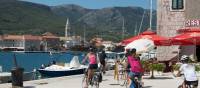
(192, 13)
(168, 22)
(1, 44)
(193, 9)
(32, 45)
(13, 43)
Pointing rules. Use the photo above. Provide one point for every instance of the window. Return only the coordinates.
(177, 4)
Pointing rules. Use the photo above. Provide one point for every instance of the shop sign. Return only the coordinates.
(192, 23)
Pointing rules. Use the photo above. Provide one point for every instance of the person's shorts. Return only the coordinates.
(195, 83)
(132, 75)
(103, 62)
(93, 66)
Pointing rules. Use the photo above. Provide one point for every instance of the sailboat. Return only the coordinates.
(73, 68)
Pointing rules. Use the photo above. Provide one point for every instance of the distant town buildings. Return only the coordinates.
(173, 15)
(45, 42)
(71, 41)
(109, 45)
(50, 42)
(28, 42)
(13, 42)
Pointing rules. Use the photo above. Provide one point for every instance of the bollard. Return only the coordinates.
(17, 77)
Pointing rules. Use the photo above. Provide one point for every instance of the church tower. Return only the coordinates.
(67, 27)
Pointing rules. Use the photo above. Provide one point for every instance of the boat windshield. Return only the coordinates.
(115, 55)
(110, 55)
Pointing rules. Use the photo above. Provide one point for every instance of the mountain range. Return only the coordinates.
(20, 17)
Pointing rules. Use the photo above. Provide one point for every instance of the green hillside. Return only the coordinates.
(19, 17)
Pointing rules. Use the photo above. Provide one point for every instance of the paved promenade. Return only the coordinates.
(161, 81)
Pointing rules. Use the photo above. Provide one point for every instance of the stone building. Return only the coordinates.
(173, 15)
(32, 43)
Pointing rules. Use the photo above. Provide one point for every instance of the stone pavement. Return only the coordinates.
(161, 81)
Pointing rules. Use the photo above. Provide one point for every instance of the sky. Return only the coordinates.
(98, 4)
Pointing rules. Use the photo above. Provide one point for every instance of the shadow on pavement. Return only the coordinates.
(147, 86)
(29, 87)
(105, 80)
(158, 78)
(115, 84)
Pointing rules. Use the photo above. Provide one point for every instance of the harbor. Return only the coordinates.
(33, 60)
(99, 43)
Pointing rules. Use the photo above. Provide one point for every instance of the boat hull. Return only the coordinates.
(48, 73)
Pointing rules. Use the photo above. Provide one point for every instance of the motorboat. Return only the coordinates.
(55, 70)
(111, 58)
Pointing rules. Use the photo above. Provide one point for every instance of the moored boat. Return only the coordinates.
(63, 72)
(73, 68)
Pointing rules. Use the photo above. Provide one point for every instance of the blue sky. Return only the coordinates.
(96, 4)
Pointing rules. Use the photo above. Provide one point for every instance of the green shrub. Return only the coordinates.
(146, 65)
(176, 67)
(197, 67)
(160, 67)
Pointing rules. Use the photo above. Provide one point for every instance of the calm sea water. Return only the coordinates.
(29, 61)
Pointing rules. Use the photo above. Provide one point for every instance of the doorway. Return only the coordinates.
(198, 53)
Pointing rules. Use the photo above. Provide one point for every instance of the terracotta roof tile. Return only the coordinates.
(31, 37)
(50, 37)
(13, 37)
(48, 34)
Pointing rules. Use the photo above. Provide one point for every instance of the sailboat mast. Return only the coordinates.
(135, 32)
(123, 29)
(150, 25)
(84, 36)
(141, 23)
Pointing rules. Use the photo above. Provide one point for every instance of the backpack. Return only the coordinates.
(135, 64)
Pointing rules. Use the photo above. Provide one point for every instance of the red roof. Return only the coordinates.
(31, 37)
(13, 37)
(49, 35)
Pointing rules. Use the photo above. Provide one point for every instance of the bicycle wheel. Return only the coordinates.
(126, 83)
(122, 79)
(84, 81)
(96, 84)
(96, 81)
(138, 84)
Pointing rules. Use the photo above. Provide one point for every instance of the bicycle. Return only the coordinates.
(138, 83)
(125, 81)
(191, 85)
(94, 81)
(187, 86)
